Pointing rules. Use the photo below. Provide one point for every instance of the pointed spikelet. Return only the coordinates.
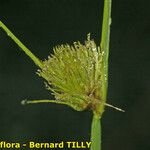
(73, 74)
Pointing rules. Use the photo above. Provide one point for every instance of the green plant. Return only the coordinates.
(80, 78)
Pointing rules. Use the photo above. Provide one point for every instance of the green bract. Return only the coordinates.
(73, 74)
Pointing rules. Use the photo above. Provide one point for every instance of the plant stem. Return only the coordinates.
(96, 131)
(21, 45)
(105, 40)
(96, 134)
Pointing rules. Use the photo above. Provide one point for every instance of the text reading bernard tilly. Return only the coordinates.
(45, 145)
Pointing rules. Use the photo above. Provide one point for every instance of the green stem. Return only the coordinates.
(96, 134)
(105, 40)
(21, 45)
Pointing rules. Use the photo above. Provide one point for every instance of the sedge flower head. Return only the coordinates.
(73, 74)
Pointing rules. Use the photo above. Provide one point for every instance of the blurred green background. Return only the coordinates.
(42, 24)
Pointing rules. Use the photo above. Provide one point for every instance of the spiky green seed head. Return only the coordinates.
(73, 74)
